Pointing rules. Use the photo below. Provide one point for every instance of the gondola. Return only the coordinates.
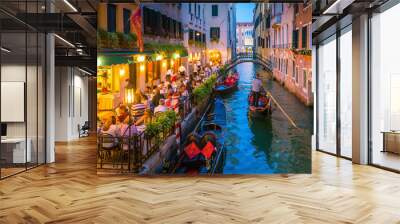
(264, 108)
(204, 150)
(226, 89)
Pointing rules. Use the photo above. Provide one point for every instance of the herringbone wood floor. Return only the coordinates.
(69, 191)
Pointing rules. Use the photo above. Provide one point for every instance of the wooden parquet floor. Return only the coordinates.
(69, 191)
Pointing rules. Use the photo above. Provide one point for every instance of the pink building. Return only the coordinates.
(288, 42)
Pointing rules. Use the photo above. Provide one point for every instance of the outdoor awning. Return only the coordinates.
(105, 58)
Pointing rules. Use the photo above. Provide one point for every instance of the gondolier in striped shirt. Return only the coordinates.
(256, 88)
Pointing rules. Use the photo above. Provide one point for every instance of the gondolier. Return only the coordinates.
(256, 88)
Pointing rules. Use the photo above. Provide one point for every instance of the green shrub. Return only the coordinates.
(102, 38)
(223, 72)
(205, 89)
(166, 48)
(165, 121)
(152, 129)
(116, 40)
(113, 41)
(131, 40)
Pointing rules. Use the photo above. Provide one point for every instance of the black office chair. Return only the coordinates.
(84, 130)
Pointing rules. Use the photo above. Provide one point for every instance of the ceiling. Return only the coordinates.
(328, 18)
(74, 22)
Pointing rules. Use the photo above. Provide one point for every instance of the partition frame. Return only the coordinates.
(338, 33)
(386, 6)
(36, 63)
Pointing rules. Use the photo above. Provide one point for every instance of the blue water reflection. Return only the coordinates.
(256, 145)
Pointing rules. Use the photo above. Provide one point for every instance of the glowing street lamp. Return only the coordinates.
(140, 58)
(99, 61)
(159, 57)
(176, 56)
(141, 68)
(122, 72)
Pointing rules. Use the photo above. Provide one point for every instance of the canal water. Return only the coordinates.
(258, 145)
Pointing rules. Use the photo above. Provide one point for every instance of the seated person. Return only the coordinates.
(161, 87)
(229, 81)
(235, 76)
(128, 128)
(137, 110)
(122, 113)
(167, 80)
(147, 90)
(161, 107)
(138, 96)
(168, 101)
(183, 91)
(174, 77)
(175, 101)
(182, 70)
(110, 129)
(157, 96)
(169, 92)
(263, 101)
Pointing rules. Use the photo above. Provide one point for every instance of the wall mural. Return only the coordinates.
(204, 88)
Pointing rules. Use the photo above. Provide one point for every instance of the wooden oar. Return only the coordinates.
(283, 111)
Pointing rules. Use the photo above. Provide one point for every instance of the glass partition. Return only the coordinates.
(385, 89)
(22, 90)
(326, 107)
(346, 93)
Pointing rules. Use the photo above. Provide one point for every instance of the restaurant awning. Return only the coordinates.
(105, 58)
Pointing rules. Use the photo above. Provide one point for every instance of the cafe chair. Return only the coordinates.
(108, 148)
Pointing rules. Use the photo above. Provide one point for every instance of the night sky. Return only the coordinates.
(244, 12)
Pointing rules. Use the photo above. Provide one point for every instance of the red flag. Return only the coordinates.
(136, 24)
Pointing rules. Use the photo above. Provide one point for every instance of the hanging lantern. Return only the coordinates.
(122, 72)
(129, 93)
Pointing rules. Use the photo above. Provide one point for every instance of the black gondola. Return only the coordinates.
(204, 150)
(264, 108)
(224, 89)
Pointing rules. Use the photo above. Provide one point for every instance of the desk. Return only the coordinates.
(391, 141)
(13, 150)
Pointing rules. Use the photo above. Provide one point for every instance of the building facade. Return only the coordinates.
(282, 33)
(221, 41)
(120, 58)
(195, 31)
(244, 41)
